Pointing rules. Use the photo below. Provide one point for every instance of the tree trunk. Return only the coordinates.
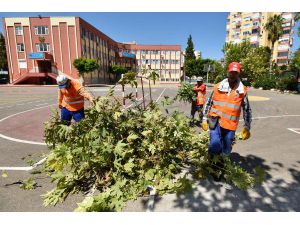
(272, 51)
(143, 93)
(150, 91)
(123, 94)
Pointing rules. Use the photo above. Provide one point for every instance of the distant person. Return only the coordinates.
(197, 105)
(223, 109)
(71, 95)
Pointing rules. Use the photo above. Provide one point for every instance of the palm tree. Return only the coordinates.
(275, 30)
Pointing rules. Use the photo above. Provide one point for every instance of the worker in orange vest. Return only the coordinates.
(222, 111)
(71, 95)
(197, 105)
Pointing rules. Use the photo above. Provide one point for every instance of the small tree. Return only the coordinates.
(118, 70)
(84, 66)
(153, 76)
(128, 78)
(275, 30)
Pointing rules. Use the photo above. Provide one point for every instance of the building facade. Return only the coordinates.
(40, 48)
(166, 60)
(250, 25)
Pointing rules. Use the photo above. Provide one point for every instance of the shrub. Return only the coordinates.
(287, 83)
(266, 82)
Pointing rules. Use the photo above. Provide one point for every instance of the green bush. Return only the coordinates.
(266, 82)
(287, 83)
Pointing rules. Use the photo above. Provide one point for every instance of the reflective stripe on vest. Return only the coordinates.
(226, 104)
(73, 98)
(230, 117)
(70, 103)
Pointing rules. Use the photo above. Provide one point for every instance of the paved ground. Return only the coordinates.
(272, 145)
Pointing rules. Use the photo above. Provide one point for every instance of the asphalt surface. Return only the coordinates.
(272, 146)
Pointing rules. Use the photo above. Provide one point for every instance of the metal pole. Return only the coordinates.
(207, 73)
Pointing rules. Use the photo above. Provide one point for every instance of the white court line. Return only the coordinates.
(295, 130)
(20, 140)
(41, 104)
(136, 100)
(267, 117)
(26, 168)
(160, 95)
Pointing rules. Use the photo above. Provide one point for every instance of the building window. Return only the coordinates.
(246, 33)
(43, 47)
(41, 30)
(254, 31)
(19, 30)
(286, 31)
(22, 63)
(281, 61)
(20, 47)
(283, 54)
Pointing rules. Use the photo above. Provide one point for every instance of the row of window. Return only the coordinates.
(163, 71)
(157, 61)
(40, 47)
(38, 30)
(154, 52)
(283, 54)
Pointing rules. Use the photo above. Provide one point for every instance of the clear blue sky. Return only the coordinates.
(208, 29)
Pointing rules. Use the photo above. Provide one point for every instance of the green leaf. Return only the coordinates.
(4, 174)
(129, 166)
(28, 184)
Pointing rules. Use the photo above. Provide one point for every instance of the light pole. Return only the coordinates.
(208, 69)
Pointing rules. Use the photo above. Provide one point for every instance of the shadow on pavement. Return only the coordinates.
(274, 195)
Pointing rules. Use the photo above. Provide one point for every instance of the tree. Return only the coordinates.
(84, 66)
(275, 30)
(128, 78)
(3, 56)
(254, 61)
(117, 70)
(153, 76)
(295, 62)
(190, 51)
(297, 18)
(190, 59)
(190, 67)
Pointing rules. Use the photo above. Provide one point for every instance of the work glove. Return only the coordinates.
(245, 133)
(204, 125)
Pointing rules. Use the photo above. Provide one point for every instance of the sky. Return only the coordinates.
(208, 29)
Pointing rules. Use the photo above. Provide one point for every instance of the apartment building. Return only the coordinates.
(250, 25)
(40, 48)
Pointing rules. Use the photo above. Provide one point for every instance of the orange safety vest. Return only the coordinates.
(71, 99)
(227, 107)
(200, 98)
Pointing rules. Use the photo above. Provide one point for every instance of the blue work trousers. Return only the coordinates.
(67, 115)
(221, 140)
